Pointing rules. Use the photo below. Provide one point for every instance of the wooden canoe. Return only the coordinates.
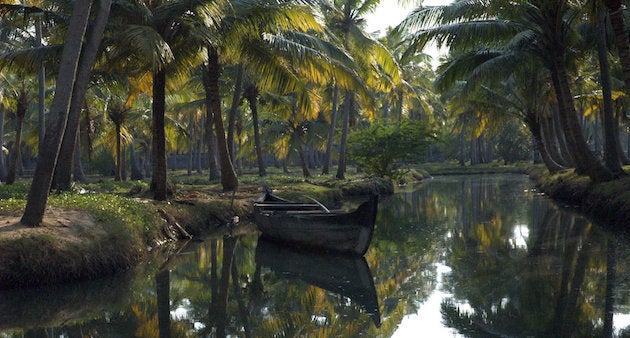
(343, 275)
(312, 226)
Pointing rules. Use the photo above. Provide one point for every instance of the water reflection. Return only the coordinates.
(470, 256)
(513, 264)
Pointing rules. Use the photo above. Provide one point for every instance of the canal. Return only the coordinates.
(465, 256)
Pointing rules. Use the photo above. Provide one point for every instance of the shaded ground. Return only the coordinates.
(63, 224)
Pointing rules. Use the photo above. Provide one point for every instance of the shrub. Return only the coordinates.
(385, 147)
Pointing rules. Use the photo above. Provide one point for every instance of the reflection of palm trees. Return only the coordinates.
(162, 286)
(529, 286)
(217, 314)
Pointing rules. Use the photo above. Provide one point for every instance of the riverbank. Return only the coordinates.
(607, 203)
(88, 234)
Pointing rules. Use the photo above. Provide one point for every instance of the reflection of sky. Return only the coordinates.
(427, 322)
(620, 322)
(521, 234)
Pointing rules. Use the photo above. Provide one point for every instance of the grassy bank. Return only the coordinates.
(608, 202)
(104, 227)
(496, 167)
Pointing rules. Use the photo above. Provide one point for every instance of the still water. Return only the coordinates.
(475, 256)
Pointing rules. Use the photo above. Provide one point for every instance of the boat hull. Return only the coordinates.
(335, 231)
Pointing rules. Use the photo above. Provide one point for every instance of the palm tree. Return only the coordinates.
(617, 20)
(540, 29)
(21, 99)
(345, 19)
(164, 33)
(117, 113)
(3, 167)
(281, 59)
(66, 163)
(611, 131)
(47, 157)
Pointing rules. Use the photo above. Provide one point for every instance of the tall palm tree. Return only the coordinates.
(611, 131)
(538, 28)
(3, 166)
(21, 107)
(345, 19)
(66, 163)
(47, 157)
(265, 45)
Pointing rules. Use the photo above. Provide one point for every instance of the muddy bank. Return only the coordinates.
(77, 244)
(606, 203)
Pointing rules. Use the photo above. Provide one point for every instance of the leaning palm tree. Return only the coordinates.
(497, 30)
(47, 157)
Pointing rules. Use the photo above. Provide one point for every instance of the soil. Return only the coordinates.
(66, 225)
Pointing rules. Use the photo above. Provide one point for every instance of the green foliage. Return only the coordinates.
(123, 216)
(384, 147)
(513, 142)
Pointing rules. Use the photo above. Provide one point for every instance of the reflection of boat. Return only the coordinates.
(312, 225)
(347, 276)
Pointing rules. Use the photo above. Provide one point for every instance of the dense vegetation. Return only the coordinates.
(217, 86)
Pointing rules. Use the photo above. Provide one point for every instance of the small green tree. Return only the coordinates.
(385, 147)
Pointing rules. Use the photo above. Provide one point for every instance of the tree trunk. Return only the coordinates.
(585, 162)
(119, 163)
(562, 140)
(534, 128)
(550, 140)
(20, 113)
(159, 175)
(622, 156)
(611, 157)
(236, 100)
(229, 181)
(136, 172)
(163, 296)
(47, 157)
(341, 167)
(305, 172)
(191, 145)
(618, 24)
(3, 165)
(63, 171)
(251, 93)
(77, 168)
(331, 132)
(41, 78)
(462, 145)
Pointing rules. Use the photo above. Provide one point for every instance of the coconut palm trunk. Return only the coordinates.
(611, 156)
(20, 113)
(236, 100)
(341, 166)
(251, 93)
(63, 171)
(535, 128)
(119, 164)
(550, 140)
(47, 157)
(3, 164)
(136, 171)
(622, 42)
(585, 161)
(331, 132)
(77, 167)
(229, 181)
(159, 175)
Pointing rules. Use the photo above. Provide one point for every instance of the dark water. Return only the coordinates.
(459, 256)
